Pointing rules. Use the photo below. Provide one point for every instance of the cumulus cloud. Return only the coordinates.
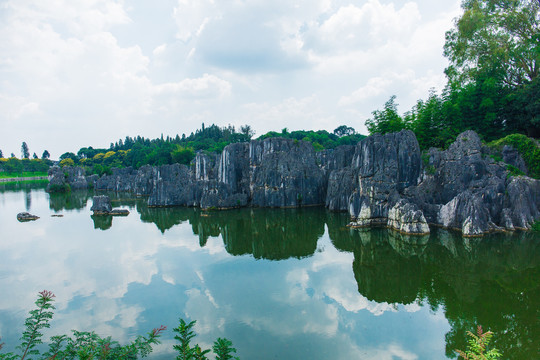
(140, 69)
(207, 86)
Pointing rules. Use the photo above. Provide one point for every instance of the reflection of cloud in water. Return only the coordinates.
(102, 315)
(335, 284)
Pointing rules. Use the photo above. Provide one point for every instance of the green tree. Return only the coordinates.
(1, 154)
(183, 155)
(247, 131)
(344, 130)
(386, 120)
(501, 36)
(45, 155)
(67, 162)
(24, 150)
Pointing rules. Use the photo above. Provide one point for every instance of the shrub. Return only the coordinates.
(89, 345)
(478, 345)
(528, 149)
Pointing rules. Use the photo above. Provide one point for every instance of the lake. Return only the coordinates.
(279, 283)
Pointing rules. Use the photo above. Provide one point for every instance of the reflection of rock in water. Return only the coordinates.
(273, 234)
(165, 218)
(103, 222)
(382, 273)
(493, 281)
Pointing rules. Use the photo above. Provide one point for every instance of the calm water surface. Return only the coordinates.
(281, 284)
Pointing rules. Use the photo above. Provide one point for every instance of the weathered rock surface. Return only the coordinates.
(407, 218)
(380, 181)
(68, 177)
(101, 205)
(273, 172)
(25, 216)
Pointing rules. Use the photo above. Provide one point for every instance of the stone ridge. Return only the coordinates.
(380, 181)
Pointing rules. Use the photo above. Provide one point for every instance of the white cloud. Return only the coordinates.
(146, 70)
(207, 86)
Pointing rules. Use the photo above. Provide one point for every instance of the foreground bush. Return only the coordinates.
(88, 345)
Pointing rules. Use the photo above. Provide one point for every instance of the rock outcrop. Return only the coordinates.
(25, 216)
(273, 172)
(380, 181)
(68, 178)
(102, 206)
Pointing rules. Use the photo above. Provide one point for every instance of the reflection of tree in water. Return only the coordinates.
(273, 234)
(165, 217)
(493, 281)
(25, 185)
(265, 233)
(73, 200)
(103, 222)
(28, 199)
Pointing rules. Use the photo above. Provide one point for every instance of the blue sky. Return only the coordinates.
(88, 72)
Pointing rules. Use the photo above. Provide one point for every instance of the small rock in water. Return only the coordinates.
(24, 216)
(119, 212)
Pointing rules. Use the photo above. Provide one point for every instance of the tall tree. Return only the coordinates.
(45, 155)
(1, 155)
(24, 150)
(499, 37)
(386, 120)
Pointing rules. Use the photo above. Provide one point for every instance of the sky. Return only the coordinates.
(90, 72)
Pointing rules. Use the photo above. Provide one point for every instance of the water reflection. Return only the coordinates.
(492, 281)
(102, 222)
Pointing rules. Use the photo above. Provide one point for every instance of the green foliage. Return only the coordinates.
(183, 155)
(478, 347)
(386, 120)
(536, 226)
(321, 139)
(514, 171)
(223, 349)
(528, 148)
(495, 36)
(82, 345)
(54, 188)
(344, 130)
(14, 167)
(67, 162)
(88, 345)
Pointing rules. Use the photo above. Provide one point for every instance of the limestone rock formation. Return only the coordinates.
(101, 205)
(380, 181)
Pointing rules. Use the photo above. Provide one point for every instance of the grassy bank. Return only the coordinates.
(24, 174)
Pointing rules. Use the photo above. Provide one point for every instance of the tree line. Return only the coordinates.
(14, 165)
(139, 151)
